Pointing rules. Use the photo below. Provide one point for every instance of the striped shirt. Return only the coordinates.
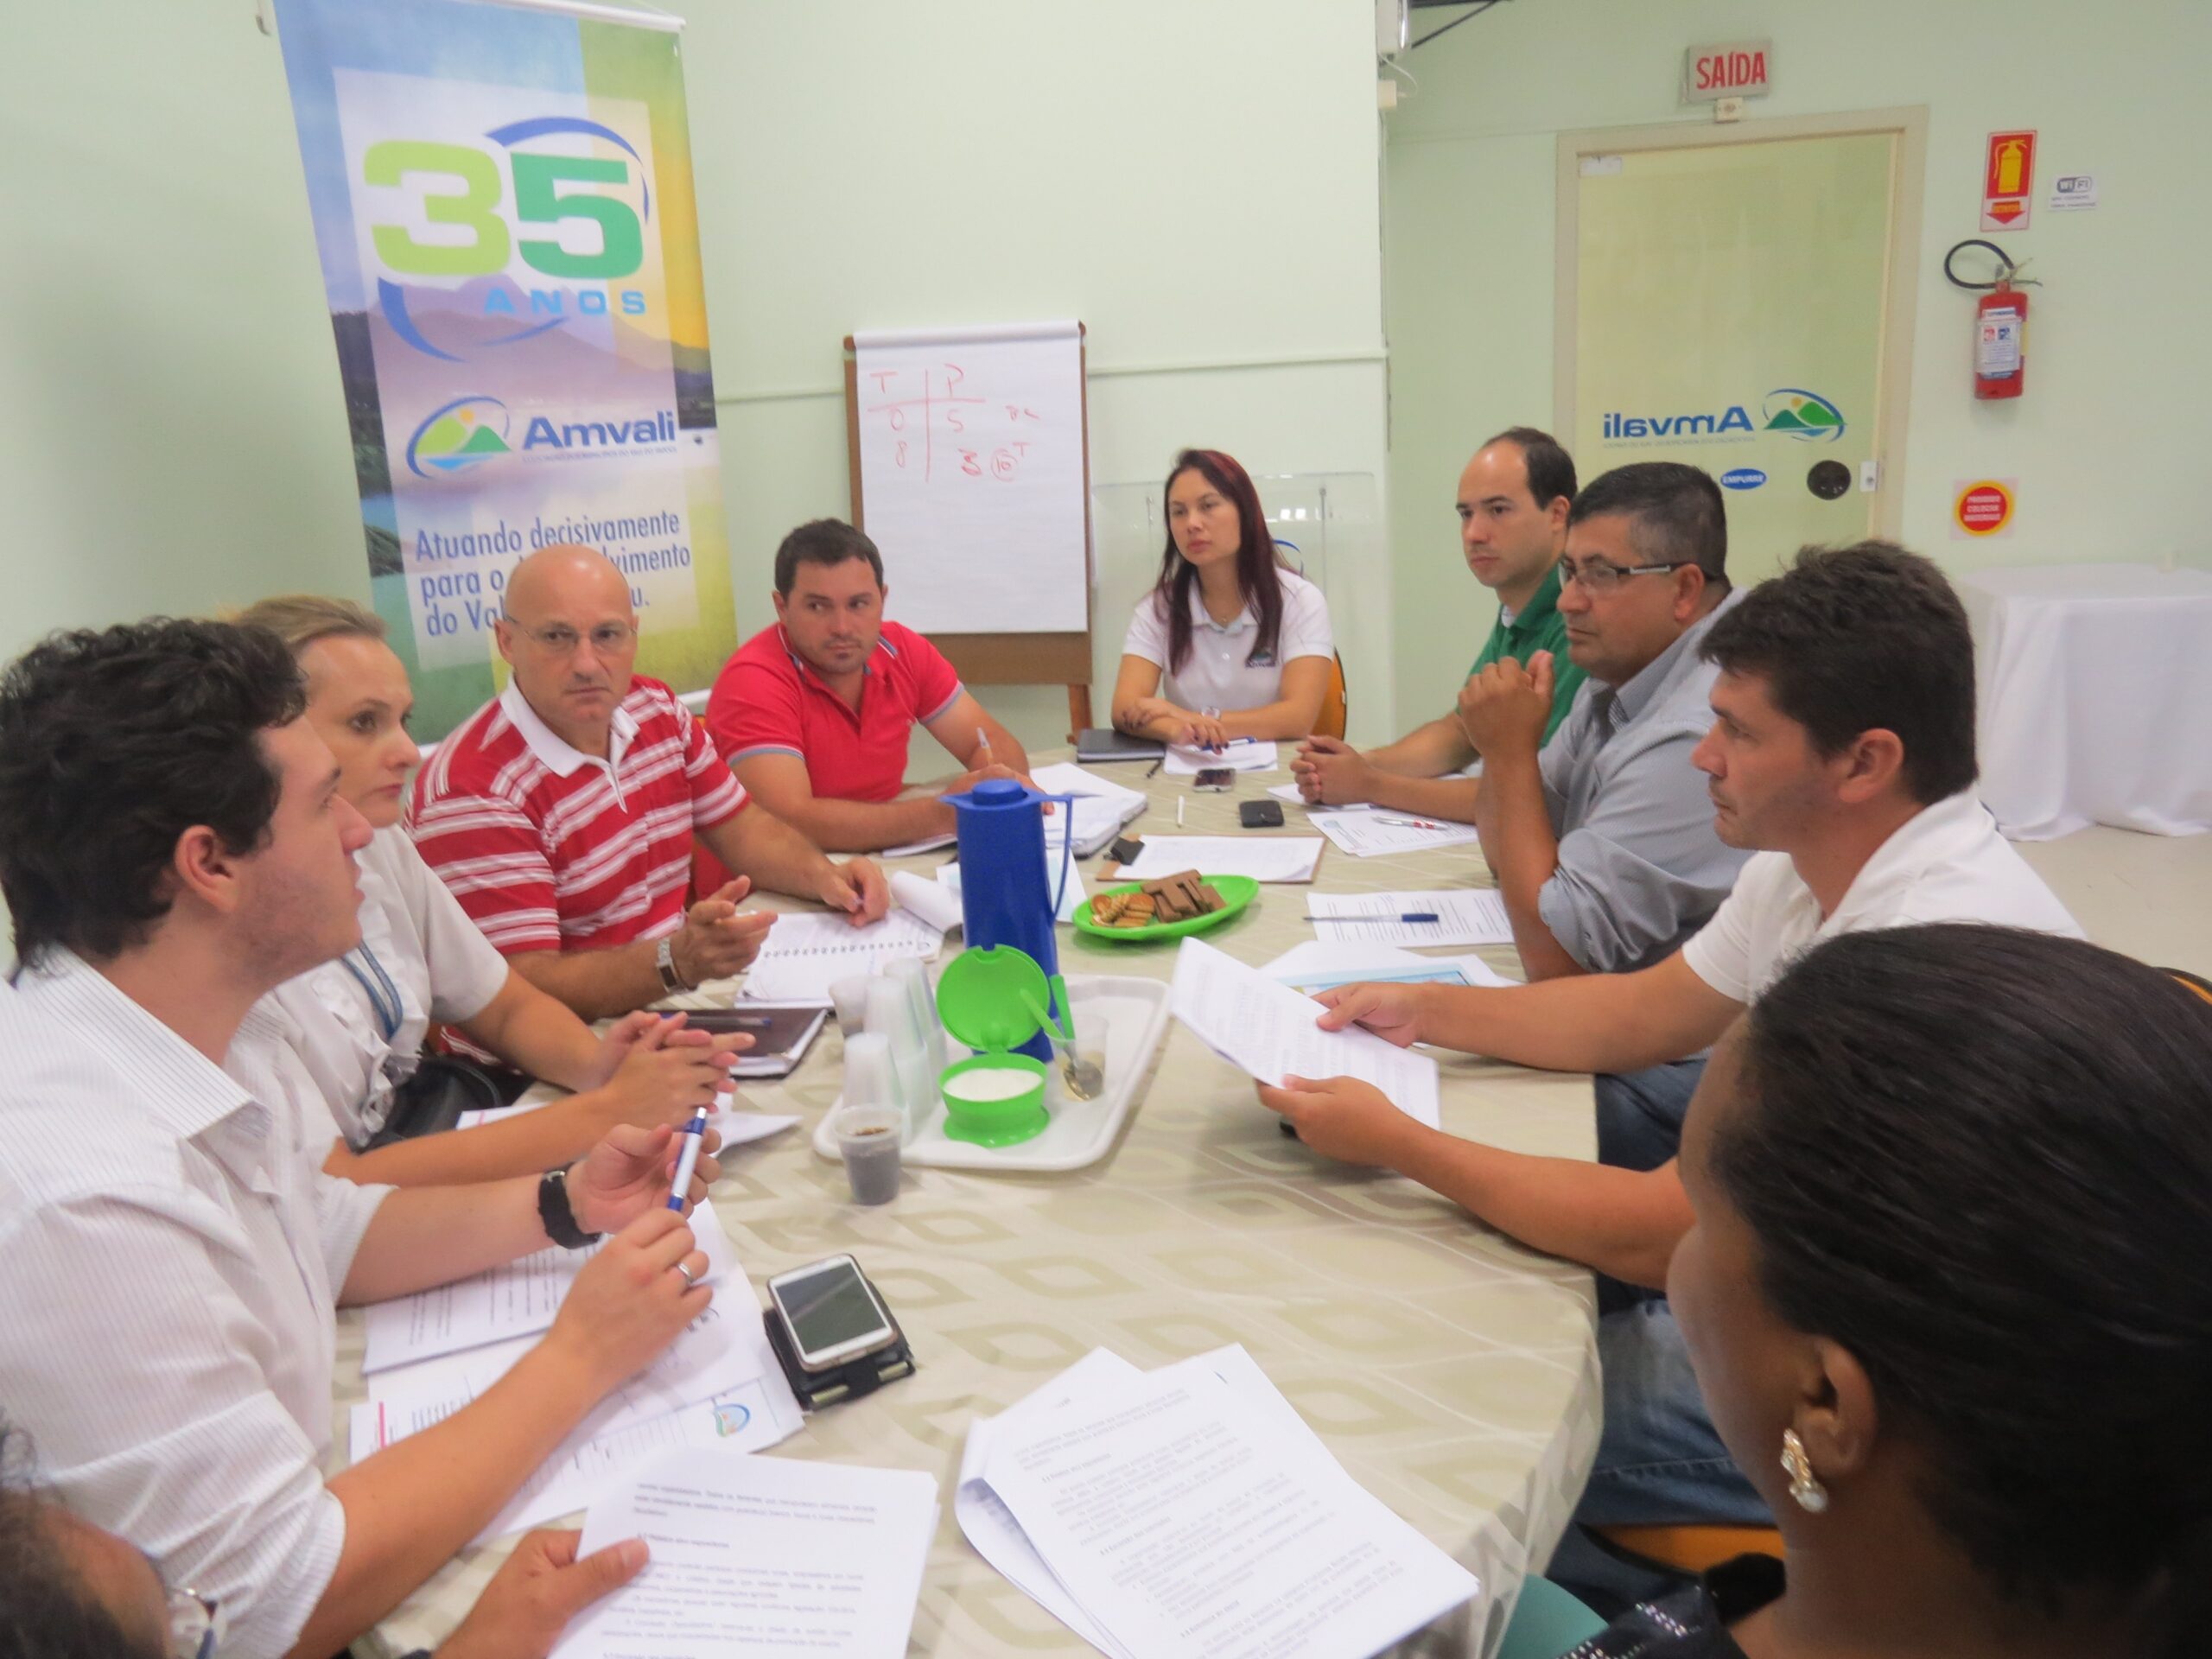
(174, 1258)
(550, 849)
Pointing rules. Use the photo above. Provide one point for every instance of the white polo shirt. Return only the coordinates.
(1947, 863)
(172, 1256)
(357, 1024)
(1225, 669)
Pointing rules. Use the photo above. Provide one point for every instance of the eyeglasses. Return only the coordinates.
(609, 639)
(1603, 575)
(195, 1625)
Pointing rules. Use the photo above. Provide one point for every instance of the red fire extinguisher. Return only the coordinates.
(2000, 343)
(2000, 324)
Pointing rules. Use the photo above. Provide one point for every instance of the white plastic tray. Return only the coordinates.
(1125, 1016)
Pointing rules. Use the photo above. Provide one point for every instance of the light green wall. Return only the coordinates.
(2104, 442)
(1198, 183)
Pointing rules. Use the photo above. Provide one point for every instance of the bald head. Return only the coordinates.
(565, 574)
(569, 633)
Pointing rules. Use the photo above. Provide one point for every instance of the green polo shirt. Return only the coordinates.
(1537, 627)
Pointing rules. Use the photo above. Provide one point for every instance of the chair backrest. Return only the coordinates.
(1330, 722)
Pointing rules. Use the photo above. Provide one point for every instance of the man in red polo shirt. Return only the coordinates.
(561, 813)
(814, 713)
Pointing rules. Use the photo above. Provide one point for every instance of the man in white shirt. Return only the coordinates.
(172, 848)
(1841, 747)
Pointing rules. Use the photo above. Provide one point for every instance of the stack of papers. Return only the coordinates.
(1189, 1512)
(736, 1128)
(1264, 858)
(1267, 1030)
(1464, 916)
(1240, 754)
(1101, 809)
(759, 1555)
(432, 1354)
(1365, 833)
(807, 953)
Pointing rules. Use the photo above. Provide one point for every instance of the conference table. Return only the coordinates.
(1452, 1372)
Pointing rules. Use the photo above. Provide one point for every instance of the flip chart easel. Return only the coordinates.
(978, 462)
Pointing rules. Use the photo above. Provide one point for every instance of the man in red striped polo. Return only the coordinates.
(561, 813)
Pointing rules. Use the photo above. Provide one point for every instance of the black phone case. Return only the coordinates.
(848, 1382)
(1260, 815)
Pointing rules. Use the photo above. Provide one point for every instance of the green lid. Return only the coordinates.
(988, 999)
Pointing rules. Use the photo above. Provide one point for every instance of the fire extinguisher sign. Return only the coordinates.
(2008, 180)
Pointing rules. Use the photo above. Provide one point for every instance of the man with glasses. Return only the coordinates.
(1602, 839)
(70, 1590)
(1512, 502)
(561, 813)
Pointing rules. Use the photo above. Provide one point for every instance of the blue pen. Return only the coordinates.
(1421, 916)
(694, 1134)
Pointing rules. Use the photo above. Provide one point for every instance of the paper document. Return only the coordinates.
(1102, 807)
(519, 1300)
(757, 1556)
(926, 844)
(926, 899)
(1464, 916)
(1267, 1030)
(1323, 964)
(1264, 858)
(807, 953)
(1242, 754)
(1193, 1515)
(1369, 834)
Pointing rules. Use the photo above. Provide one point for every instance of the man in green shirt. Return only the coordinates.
(1514, 497)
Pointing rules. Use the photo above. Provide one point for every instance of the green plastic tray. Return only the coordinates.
(1237, 890)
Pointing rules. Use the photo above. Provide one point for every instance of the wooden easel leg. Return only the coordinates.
(1078, 710)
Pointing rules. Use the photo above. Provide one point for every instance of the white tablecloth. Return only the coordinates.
(2095, 685)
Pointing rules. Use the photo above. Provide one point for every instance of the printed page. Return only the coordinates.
(1264, 858)
(754, 1556)
(1464, 916)
(1266, 1029)
(1192, 1526)
(519, 1300)
(1241, 754)
(1369, 835)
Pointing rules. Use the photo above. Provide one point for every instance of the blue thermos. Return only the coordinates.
(1006, 896)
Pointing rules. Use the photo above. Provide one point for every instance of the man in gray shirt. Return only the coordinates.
(1602, 841)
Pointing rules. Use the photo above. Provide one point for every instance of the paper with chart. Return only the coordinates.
(1238, 754)
(1264, 858)
(1267, 1030)
(718, 1385)
(754, 1556)
(807, 953)
(1192, 1513)
(1464, 916)
(519, 1300)
(1367, 834)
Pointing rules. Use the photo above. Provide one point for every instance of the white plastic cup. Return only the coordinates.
(869, 1079)
(868, 1140)
(921, 1002)
(850, 997)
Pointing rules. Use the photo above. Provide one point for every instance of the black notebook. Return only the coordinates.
(781, 1032)
(1104, 743)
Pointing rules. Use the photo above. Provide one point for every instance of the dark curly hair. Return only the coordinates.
(1980, 1159)
(113, 743)
(1861, 639)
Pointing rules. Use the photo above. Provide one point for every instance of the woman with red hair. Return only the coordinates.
(1228, 643)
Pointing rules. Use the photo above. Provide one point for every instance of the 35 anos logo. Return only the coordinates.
(568, 229)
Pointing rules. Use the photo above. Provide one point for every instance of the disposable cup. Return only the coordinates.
(869, 1137)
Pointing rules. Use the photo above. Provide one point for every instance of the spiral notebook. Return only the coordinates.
(807, 954)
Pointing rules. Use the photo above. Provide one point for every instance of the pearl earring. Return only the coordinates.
(1804, 1485)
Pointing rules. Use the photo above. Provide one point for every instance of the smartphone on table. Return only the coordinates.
(832, 1314)
(1219, 778)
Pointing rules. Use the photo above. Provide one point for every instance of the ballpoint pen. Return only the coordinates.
(694, 1134)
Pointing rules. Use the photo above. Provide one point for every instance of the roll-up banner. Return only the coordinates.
(502, 199)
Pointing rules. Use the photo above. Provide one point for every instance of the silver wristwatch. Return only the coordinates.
(664, 960)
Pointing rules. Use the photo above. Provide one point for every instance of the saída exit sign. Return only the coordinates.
(1727, 69)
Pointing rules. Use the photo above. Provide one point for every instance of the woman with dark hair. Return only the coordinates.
(1228, 643)
(1949, 1298)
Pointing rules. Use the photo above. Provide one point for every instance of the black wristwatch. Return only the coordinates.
(553, 1210)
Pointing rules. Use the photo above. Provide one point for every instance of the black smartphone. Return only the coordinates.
(1260, 815)
(1126, 849)
(1219, 779)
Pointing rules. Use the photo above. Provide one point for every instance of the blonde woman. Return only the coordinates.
(358, 1024)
